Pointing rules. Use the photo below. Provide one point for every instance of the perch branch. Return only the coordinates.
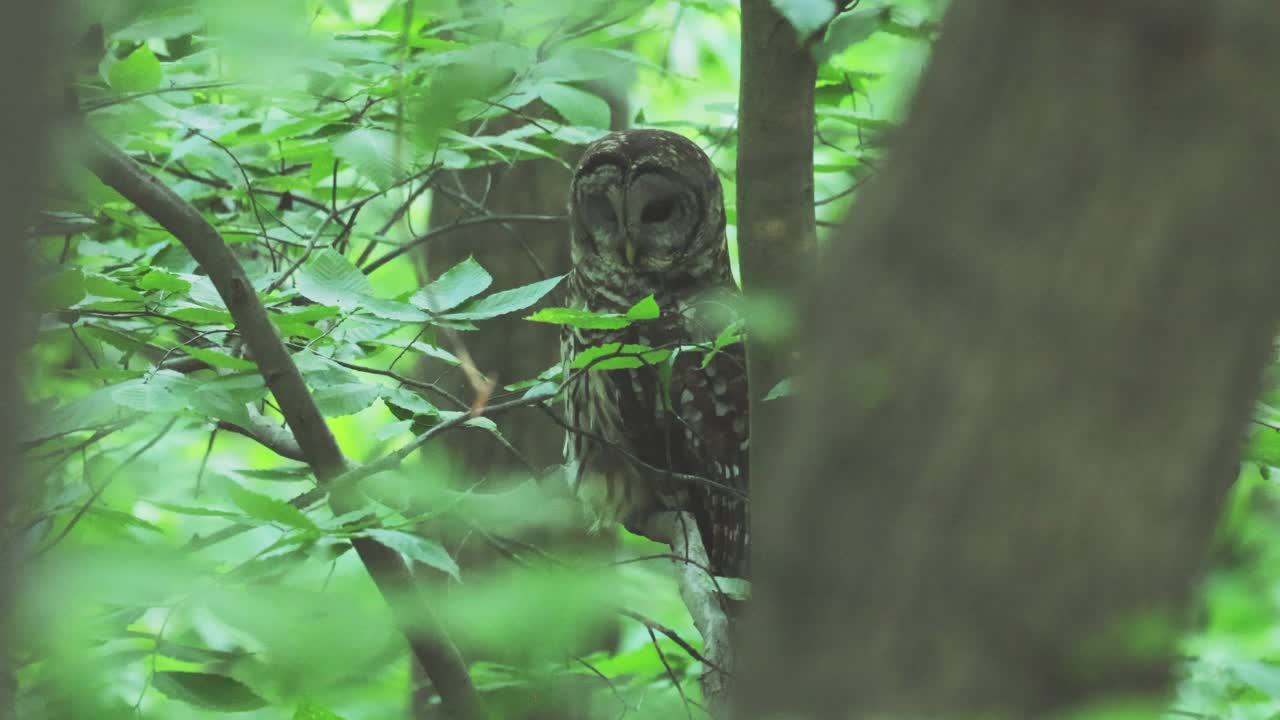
(700, 594)
(427, 640)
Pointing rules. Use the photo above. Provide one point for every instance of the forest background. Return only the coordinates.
(178, 560)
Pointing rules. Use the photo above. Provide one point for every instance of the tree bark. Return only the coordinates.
(26, 51)
(1029, 358)
(776, 225)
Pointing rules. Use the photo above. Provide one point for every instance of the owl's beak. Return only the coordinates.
(629, 249)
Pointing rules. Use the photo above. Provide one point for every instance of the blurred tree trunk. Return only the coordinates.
(509, 348)
(1029, 359)
(776, 225)
(26, 54)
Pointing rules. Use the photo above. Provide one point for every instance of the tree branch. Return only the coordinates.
(427, 640)
(700, 594)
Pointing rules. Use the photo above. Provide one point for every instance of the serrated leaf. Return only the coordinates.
(577, 317)
(416, 548)
(392, 309)
(409, 400)
(578, 107)
(507, 301)
(207, 690)
(347, 399)
(330, 279)
(162, 392)
(217, 358)
(266, 508)
(197, 511)
(138, 72)
(617, 356)
(454, 287)
(163, 280)
(372, 153)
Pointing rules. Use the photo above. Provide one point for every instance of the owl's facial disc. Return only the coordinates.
(599, 202)
(660, 220)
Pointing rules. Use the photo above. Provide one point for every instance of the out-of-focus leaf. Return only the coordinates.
(163, 280)
(781, 390)
(416, 548)
(207, 690)
(852, 27)
(372, 153)
(59, 290)
(311, 711)
(139, 72)
(806, 16)
(578, 107)
(217, 358)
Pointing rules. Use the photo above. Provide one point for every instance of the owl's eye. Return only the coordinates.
(659, 210)
(599, 212)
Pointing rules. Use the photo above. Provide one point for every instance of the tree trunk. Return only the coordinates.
(776, 226)
(1029, 359)
(26, 51)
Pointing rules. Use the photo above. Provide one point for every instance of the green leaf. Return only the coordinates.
(416, 548)
(311, 711)
(372, 153)
(781, 390)
(646, 309)
(207, 690)
(163, 280)
(59, 290)
(617, 356)
(267, 508)
(330, 279)
(576, 317)
(164, 392)
(730, 335)
(139, 72)
(346, 399)
(218, 359)
(457, 285)
(577, 107)
(106, 287)
(196, 511)
(409, 400)
(806, 16)
(507, 301)
(202, 316)
(852, 27)
(392, 309)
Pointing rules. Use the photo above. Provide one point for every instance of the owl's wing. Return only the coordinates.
(712, 422)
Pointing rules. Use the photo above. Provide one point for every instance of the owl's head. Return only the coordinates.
(647, 203)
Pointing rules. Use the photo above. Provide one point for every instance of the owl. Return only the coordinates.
(647, 215)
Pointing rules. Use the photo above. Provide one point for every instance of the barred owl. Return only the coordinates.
(647, 215)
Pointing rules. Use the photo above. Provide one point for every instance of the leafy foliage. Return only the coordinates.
(183, 562)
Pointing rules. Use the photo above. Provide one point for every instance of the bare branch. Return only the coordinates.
(428, 641)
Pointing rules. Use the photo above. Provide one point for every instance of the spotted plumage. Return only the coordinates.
(647, 212)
